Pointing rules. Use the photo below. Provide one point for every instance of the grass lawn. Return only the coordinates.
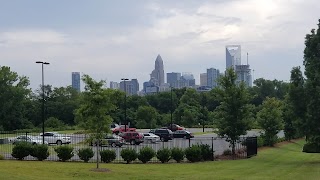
(284, 162)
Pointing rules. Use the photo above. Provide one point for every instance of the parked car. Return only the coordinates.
(111, 140)
(164, 134)
(183, 134)
(174, 127)
(134, 138)
(150, 137)
(29, 139)
(123, 128)
(114, 126)
(56, 138)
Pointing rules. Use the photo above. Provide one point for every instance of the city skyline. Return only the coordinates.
(112, 40)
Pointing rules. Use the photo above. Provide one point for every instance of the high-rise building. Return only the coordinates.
(157, 74)
(172, 78)
(76, 81)
(131, 87)
(114, 85)
(203, 79)
(188, 78)
(212, 77)
(233, 56)
(244, 74)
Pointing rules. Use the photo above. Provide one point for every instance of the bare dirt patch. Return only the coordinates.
(104, 170)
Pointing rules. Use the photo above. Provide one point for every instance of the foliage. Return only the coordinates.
(193, 153)
(64, 152)
(147, 117)
(1, 157)
(270, 120)
(54, 123)
(128, 155)
(177, 154)
(227, 152)
(40, 151)
(311, 148)
(107, 155)
(164, 155)
(206, 152)
(234, 114)
(21, 150)
(146, 154)
(85, 154)
(260, 141)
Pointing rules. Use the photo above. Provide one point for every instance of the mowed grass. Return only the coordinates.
(285, 162)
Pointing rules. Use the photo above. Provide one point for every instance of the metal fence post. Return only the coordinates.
(189, 142)
(212, 152)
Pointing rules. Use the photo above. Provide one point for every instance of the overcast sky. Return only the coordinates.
(121, 38)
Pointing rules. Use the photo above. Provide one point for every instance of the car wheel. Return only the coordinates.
(162, 138)
(113, 144)
(184, 137)
(59, 142)
(34, 143)
(137, 143)
(132, 142)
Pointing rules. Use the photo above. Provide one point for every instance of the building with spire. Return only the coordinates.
(157, 75)
(233, 56)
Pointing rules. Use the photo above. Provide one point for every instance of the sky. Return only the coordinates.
(115, 39)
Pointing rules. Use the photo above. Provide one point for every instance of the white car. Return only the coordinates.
(55, 138)
(150, 137)
(30, 139)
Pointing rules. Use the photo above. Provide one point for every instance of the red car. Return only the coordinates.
(123, 128)
(134, 138)
(175, 127)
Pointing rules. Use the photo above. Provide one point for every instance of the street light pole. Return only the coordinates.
(171, 108)
(42, 63)
(125, 103)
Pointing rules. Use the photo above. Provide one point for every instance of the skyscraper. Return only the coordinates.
(76, 80)
(157, 75)
(131, 88)
(233, 56)
(244, 75)
(203, 79)
(173, 78)
(114, 85)
(212, 77)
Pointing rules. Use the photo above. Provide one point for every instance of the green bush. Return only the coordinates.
(311, 148)
(193, 153)
(146, 154)
(129, 155)
(64, 153)
(40, 151)
(85, 154)
(227, 152)
(1, 157)
(164, 155)
(107, 155)
(260, 142)
(21, 150)
(281, 140)
(206, 152)
(52, 122)
(177, 154)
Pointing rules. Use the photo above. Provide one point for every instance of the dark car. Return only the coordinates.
(111, 140)
(134, 138)
(183, 134)
(174, 127)
(164, 134)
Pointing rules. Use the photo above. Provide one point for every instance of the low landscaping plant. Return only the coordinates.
(146, 154)
(107, 155)
(193, 153)
(311, 148)
(129, 155)
(40, 151)
(177, 154)
(227, 152)
(1, 157)
(206, 152)
(164, 155)
(64, 153)
(21, 150)
(85, 154)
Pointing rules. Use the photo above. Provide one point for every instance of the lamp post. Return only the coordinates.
(125, 103)
(42, 63)
(171, 109)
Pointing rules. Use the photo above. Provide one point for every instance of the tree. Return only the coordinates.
(146, 116)
(233, 116)
(93, 113)
(270, 120)
(312, 72)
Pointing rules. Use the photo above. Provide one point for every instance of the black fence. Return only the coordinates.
(244, 148)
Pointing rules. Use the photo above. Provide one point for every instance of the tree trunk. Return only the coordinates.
(233, 150)
(97, 153)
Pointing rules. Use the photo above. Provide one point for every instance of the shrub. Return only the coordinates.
(129, 155)
(1, 157)
(281, 139)
(21, 150)
(177, 154)
(311, 148)
(107, 155)
(193, 153)
(64, 153)
(206, 152)
(85, 154)
(52, 122)
(227, 152)
(40, 151)
(260, 142)
(146, 154)
(164, 155)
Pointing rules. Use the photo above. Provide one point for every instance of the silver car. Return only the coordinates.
(29, 139)
(150, 137)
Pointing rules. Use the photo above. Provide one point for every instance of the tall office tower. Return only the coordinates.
(244, 74)
(131, 88)
(173, 78)
(158, 73)
(212, 77)
(114, 85)
(233, 56)
(135, 86)
(76, 81)
(203, 79)
(189, 79)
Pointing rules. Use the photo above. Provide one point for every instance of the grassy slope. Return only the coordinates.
(286, 162)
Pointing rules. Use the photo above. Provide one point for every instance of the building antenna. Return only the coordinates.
(252, 75)
(247, 58)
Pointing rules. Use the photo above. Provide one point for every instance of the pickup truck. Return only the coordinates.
(56, 138)
(123, 128)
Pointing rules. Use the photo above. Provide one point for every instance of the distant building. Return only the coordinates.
(76, 81)
(114, 85)
(189, 79)
(173, 78)
(244, 74)
(130, 87)
(233, 56)
(157, 74)
(212, 77)
(203, 79)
